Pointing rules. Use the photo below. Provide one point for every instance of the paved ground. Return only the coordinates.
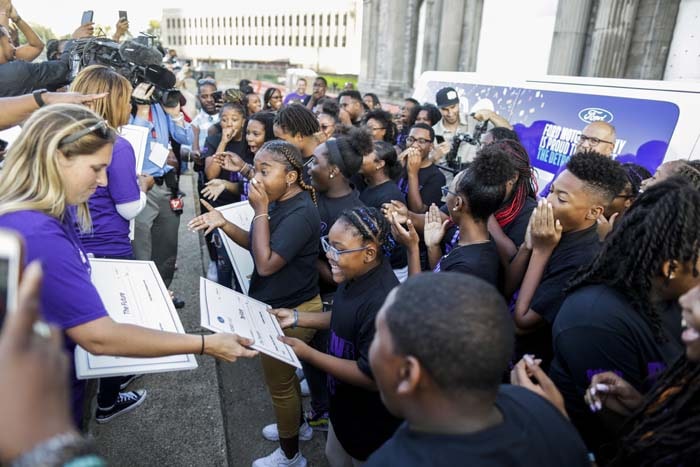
(211, 416)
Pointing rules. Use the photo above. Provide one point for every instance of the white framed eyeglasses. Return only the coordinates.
(334, 252)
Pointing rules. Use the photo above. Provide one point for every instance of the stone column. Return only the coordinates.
(450, 35)
(411, 39)
(611, 39)
(368, 54)
(392, 48)
(569, 38)
(431, 35)
(471, 30)
(656, 21)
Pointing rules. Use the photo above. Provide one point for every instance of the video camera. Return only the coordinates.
(138, 60)
(451, 157)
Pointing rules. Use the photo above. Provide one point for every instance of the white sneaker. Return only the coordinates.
(278, 459)
(305, 391)
(270, 432)
(212, 275)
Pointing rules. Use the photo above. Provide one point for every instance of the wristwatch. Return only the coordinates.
(37, 97)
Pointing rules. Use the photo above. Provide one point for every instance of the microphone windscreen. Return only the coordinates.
(139, 54)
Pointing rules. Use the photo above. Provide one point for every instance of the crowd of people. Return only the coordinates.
(443, 317)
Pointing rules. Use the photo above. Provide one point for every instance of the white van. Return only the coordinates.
(655, 121)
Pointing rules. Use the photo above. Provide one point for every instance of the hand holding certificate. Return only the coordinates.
(226, 311)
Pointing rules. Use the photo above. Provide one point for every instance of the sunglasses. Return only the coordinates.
(100, 125)
(206, 81)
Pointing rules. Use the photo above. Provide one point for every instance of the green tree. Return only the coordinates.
(153, 27)
(42, 31)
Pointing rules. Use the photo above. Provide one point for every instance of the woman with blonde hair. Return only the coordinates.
(111, 209)
(50, 173)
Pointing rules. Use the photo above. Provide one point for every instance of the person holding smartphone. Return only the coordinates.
(52, 170)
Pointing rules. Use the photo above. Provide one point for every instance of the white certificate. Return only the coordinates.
(137, 136)
(240, 214)
(225, 310)
(134, 293)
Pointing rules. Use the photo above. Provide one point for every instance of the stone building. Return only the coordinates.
(640, 39)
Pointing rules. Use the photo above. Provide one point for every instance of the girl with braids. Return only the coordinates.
(330, 169)
(283, 241)
(620, 312)
(51, 171)
(252, 104)
(379, 169)
(355, 247)
(669, 169)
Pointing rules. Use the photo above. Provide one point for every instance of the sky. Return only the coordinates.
(63, 17)
(518, 40)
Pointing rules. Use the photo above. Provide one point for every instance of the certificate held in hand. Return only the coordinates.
(133, 293)
(225, 310)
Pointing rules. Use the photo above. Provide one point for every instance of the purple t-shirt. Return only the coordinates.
(294, 98)
(68, 298)
(110, 231)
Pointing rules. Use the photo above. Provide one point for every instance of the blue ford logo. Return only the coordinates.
(220, 319)
(594, 114)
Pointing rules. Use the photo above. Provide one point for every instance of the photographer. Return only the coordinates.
(453, 125)
(17, 74)
(157, 225)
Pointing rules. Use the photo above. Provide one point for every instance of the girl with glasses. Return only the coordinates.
(283, 241)
(272, 99)
(356, 247)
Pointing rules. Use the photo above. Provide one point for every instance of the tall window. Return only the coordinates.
(283, 38)
(345, 41)
(256, 21)
(304, 41)
(243, 39)
(297, 22)
(313, 20)
(329, 19)
(305, 20)
(236, 40)
(236, 21)
(297, 41)
(218, 22)
(337, 16)
(206, 22)
(345, 19)
(312, 41)
(328, 41)
(276, 21)
(262, 40)
(283, 20)
(276, 40)
(335, 41)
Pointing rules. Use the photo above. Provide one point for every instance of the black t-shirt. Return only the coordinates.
(360, 420)
(575, 249)
(533, 434)
(518, 226)
(479, 259)
(329, 210)
(375, 196)
(598, 330)
(294, 234)
(239, 147)
(430, 183)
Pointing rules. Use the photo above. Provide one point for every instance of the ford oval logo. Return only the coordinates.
(594, 114)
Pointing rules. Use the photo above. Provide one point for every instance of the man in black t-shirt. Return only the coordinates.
(421, 181)
(563, 238)
(437, 359)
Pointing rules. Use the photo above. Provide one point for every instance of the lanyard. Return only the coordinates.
(153, 127)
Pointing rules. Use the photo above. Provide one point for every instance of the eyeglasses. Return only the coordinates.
(206, 81)
(446, 190)
(377, 128)
(334, 252)
(422, 141)
(592, 141)
(100, 125)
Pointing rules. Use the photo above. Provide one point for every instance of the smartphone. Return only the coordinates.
(439, 139)
(3, 145)
(122, 15)
(11, 257)
(218, 97)
(87, 17)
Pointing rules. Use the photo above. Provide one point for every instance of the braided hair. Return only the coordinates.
(666, 428)
(296, 119)
(636, 174)
(288, 154)
(663, 224)
(372, 227)
(525, 187)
